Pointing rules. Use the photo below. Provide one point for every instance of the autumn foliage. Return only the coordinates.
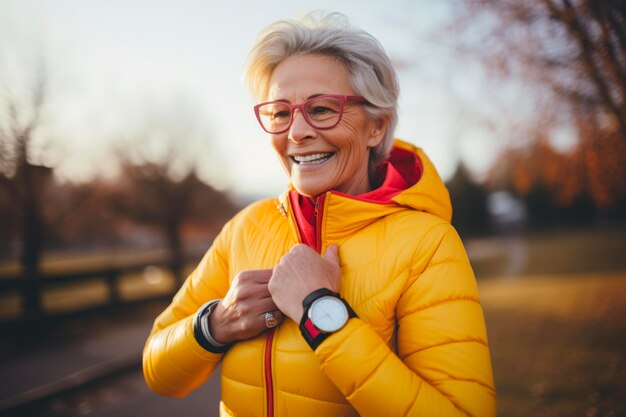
(594, 169)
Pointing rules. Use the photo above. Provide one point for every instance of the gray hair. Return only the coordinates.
(372, 75)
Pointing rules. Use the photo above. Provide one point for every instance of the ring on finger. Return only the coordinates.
(270, 319)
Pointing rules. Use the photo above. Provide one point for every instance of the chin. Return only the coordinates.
(309, 191)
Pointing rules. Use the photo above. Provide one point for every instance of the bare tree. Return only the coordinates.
(570, 56)
(27, 184)
(24, 181)
(574, 49)
(159, 186)
(150, 197)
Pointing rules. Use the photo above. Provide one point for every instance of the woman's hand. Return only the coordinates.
(241, 314)
(300, 272)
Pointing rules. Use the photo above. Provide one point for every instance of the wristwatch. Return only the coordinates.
(325, 312)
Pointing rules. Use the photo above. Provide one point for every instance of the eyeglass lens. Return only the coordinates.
(321, 112)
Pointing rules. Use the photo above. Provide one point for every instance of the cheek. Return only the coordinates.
(279, 144)
(353, 143)
(355, 132)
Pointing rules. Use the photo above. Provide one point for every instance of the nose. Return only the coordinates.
(300, 129)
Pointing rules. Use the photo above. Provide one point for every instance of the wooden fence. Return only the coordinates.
(30, 289)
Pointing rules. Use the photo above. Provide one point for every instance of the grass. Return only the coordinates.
(550, 252)
(558, 344)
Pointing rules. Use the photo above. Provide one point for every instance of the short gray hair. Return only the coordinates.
(372, 74)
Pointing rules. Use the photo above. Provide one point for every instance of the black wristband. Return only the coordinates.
(199, 335)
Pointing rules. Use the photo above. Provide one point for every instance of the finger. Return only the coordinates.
(263, 275)
(332, 254)
(246, 311)
(277, 315)
(253, 291)
(258, 276)
(266, 304)
(276, 312)
(301, 248)
(252, 308)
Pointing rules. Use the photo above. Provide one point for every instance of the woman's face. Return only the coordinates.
(339, 155)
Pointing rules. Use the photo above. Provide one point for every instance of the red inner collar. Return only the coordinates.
(402, 170)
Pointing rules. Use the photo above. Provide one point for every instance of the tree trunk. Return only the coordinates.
(32, 245)
(32, 179)
(175, 245)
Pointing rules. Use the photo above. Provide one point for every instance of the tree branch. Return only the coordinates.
(590, 65)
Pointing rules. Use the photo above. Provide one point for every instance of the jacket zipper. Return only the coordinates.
(268, 374)
(318, 222)
(269, 380)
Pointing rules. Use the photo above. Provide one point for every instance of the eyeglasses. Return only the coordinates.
(320, 112)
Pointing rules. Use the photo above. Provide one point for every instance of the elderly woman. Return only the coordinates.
(351, 294)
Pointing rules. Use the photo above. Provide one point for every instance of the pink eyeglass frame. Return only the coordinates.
(342, 101)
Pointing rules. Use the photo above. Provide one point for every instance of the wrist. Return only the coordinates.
(202, 329)
(298, 312)
(216, 327)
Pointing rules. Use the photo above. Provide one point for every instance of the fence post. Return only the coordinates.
(112, 276)
(31, 294)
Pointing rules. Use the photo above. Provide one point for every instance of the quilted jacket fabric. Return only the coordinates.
(419, 344)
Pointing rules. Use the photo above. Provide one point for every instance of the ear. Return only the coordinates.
(377, 131)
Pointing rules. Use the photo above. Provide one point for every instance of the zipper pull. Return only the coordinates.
(317, 205)
(282, 209)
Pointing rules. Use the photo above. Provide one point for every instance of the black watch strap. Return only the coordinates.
(313, 336)
(314, 295)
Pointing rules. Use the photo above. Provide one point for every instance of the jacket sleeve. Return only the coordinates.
(174, 364)
(442, 366)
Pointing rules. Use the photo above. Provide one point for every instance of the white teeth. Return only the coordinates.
(316, 157)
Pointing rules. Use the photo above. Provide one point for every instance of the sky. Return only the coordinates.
(115, 67)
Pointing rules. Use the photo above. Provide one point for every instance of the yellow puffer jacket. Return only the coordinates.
(417, 348)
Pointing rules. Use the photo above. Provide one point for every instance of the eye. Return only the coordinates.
(323, 108)
(320, 110)
(280, 115)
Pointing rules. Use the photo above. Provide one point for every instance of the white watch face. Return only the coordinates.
(328, 314)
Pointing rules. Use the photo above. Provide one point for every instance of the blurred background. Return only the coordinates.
(127, 139)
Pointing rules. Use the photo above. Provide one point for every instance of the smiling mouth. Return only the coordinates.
(312, 159)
